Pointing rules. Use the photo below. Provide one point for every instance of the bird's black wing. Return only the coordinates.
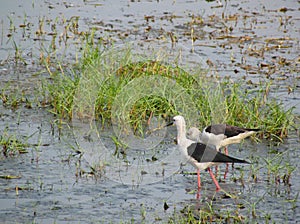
(203, 153)
(231, 131)
(227, 130)
(216, 129)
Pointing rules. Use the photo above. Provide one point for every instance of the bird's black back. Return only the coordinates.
(204, 153)
(227, 130)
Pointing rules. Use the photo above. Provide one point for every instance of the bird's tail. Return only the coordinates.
(220, 157)
(236, 160)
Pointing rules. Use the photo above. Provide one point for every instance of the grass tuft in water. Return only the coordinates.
(11, 145)
(205, 214)
(14, 98)
(60, 90)
(278, 170)
(102, 80)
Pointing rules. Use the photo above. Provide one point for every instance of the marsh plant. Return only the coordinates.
(101, 77)
(11, 145)
(12, 97)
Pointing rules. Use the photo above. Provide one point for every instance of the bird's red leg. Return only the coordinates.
(199, 180)
(217, 169)
(198, 194)
(214, 179)
(226, 151)
(226, 171)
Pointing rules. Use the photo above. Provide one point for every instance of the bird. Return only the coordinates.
(199, 155)
(220, 135)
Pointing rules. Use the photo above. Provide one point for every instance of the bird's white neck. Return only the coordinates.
(181, 134)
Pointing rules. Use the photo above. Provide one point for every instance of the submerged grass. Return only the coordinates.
(11, 145)
(14, 98)
(60, 93)
(104, 84)
(278, 170)
(205, 214)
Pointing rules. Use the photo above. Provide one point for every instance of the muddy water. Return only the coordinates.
(253, 42)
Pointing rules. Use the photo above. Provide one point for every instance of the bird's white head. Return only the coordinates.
(180, 125)
(179, 121)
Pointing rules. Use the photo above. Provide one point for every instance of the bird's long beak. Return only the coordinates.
(169, 124)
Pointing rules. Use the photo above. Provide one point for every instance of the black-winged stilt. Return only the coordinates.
(220, 135)
(198, 154)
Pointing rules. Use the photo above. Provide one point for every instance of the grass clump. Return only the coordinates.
(11, 145)
(59, 92)
(102, 81)
(251, 107)
(13, 99)
(120, 86)
(206, 214)
(278, 170)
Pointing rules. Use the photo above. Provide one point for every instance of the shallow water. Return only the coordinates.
(57, 186)
(53, 194)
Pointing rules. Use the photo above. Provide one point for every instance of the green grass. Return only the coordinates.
(12, 98)
(117, 86)
(59, 93)
(205, 214)
(11, 145)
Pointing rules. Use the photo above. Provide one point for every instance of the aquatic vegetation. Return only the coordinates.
(60, 92)
(215, 100)
(11, 145)
(13, 98)
(278, 170)
(206, 214)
